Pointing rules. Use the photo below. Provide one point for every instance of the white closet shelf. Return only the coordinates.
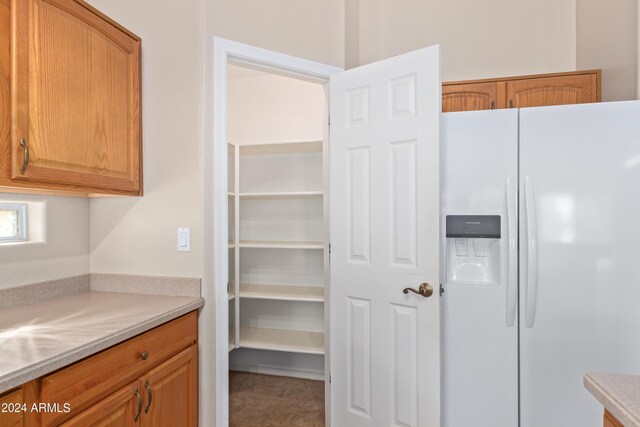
(309, 342)
(264, 244)
(282, 292)
(231, 194)
(232, 245)
(282, 147)
(284, 194)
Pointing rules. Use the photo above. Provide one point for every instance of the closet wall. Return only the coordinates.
(276, 209)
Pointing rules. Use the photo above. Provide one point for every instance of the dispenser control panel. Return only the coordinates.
(473, 226)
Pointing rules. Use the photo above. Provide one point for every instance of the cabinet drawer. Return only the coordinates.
(87, 381)
(10, 416)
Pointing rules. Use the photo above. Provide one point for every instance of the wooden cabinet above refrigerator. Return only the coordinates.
(524, 91)
(70, 100)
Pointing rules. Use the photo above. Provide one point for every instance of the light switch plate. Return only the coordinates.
(184, 239)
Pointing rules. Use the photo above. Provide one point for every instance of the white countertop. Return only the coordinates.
(619, 394)
(39, 338)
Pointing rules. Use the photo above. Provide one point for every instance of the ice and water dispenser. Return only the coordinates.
(473, 249)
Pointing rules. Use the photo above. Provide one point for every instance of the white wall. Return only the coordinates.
(65, 251)
(308, 29)
(138, 235)
(479, 39)
(267, 107)
(607, 33)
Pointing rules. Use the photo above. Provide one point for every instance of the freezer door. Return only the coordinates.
(480, 342)
(580, 256)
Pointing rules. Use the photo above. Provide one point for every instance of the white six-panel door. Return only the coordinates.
(385, 209)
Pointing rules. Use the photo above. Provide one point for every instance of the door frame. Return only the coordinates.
(226, 51)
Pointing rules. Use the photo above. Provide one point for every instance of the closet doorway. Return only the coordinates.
(270, 211)
(277, 251)
(275, 180)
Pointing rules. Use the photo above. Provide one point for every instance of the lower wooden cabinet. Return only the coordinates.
(17, 406)
(148, 380)
(523, 91)
(11, 404)
(171, 392)
(166, 396)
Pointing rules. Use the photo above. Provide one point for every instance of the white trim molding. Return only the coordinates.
(226, 51)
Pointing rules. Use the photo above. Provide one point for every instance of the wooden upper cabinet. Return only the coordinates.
(524, 91)
(610, 421)
(75, 99)
(471, 96)
(537, 92)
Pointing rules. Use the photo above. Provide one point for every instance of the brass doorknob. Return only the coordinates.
(425, 289)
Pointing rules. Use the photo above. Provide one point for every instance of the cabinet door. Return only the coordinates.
(76, 103)
(171, 392)
(11, 408)
(5, 90)
(120, 409)
(536, 92)
(470, 96)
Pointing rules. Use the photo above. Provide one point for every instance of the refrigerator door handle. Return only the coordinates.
(531, 291)
(512, 251)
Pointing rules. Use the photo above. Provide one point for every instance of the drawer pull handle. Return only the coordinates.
(144, 355)
(150, 393)
(137, 414)
(25, 150)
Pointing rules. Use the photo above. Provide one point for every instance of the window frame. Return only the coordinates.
(23, 223)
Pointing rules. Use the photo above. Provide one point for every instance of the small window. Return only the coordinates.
(13, 222)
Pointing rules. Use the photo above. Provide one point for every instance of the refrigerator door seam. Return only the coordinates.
(512, 272)
(532, 255)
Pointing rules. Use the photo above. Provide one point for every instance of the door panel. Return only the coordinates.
(579, 261)
(405, 363)
(117, 410)
(480, 336)
(384, 238)
(359, 357)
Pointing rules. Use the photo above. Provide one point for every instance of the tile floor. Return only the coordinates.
(269, 401)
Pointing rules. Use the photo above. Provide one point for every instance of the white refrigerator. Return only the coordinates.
(541, 261)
